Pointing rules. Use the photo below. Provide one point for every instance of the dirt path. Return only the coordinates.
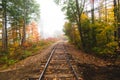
(91, 67)
(94, 68)
(25, 68)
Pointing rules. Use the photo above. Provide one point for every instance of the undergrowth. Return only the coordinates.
(15, 54)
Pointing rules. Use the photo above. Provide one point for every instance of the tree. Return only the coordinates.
(32, 32)
(4, 28)
(92, 10)
(117, 21)
(74, 10)
(97, 33)
(17, 14)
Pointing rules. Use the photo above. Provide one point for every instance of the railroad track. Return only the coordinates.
(59, 66)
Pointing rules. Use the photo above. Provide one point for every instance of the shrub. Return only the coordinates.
(25, 54)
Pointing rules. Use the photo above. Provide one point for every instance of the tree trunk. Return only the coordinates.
(81, 35)
(79, 23)
(100, 11)
(94, 41)
(23, 34)
(105, 11)
(92, 11)
(117, 19)
(4, 28)
(19, 34)
(119, 13)
(24, 29)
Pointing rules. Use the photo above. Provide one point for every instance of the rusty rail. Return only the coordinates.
(70, 65)
(46, 65)
(67, 59)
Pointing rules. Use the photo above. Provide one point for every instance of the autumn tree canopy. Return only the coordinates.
(91, 24)
(17, 14)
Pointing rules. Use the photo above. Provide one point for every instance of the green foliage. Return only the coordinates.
(93, 34)
(0, 25)
(16, 9)
(42, 43)
(18, 53)
(3, 59)
(18, 14)
(68, 31)
(11, 61)
(7, 61)
(25, 54)
(4, 52)
(98, 37)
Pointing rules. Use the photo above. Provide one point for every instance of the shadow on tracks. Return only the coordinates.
(92, 72)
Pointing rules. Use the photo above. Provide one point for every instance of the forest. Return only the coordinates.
(19, 35)
(88, 48)
(93, 25)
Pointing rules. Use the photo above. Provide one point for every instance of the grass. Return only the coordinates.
(16, 54)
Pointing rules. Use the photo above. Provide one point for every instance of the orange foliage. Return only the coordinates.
(51, 39)
(32, 32)
(27, 44)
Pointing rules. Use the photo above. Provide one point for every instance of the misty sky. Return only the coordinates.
(51, 18)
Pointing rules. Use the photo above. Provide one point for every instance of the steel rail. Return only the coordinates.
(70, 65)
(46, 65)
(74, 72)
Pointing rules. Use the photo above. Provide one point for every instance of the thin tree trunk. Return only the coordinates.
(119, 12)
(94, 41)
(117, 20)
(79, 24)
(4, 29)
(24, 33)
(81, 35)
(105, 11)
(92, 11)
(100, 11)
(24, 29)
(19, 35)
